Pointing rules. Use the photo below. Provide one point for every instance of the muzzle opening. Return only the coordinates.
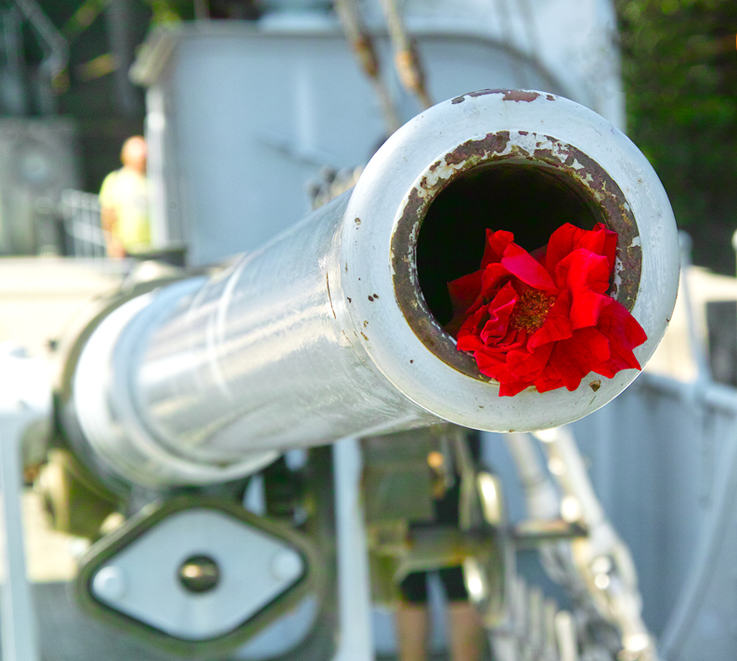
(530, 200)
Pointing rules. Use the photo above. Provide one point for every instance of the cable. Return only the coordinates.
(406, 57)
(363, 46)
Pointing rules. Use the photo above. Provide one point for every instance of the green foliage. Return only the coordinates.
(679, 62)
(170, 11)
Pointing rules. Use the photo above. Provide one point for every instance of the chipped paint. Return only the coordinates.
(520, 95)
(473, 95)
(330, 298)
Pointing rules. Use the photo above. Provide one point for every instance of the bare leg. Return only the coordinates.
(466, 632)
(412, 632)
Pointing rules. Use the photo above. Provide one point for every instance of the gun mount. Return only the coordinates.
(177, 395)
(335, 328)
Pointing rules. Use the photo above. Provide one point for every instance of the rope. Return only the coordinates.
(406, 56)
(363, 47)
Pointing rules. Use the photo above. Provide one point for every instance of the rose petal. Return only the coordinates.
(558, 324)
(624, 333)
(496, 243)
(573, 359)
(473, 324)
(498, 312)
(489, 362)
(568, 238)
(560, 244)
(524, 266)
(583, 269)
(610, 248)
(464, 291)
(511, 388)
(586, 275)
(529, 365)
(470, 343)
(548, 381)
(493, 276)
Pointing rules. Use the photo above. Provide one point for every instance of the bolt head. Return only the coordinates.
(286, 565)
(200, 573)
(110, 583)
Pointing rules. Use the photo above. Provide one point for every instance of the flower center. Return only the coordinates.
(531, 310)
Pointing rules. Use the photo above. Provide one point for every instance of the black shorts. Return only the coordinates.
(414, 586)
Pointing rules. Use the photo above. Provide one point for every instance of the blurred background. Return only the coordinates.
(68, 59)
(65, 71)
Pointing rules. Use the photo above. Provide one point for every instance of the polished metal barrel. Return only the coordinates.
(335, 328)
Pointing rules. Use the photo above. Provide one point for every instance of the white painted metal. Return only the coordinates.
(19, 627)
(596, 567)
(601, 559)
(290, 100)
(355, 642)
(573, 41)
(111, 424)
(25, 401)
(271, 353)
(665, 444)
(142, 580)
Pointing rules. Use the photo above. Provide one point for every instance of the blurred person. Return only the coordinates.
(412, 616)
(124, 203)
(418, 481)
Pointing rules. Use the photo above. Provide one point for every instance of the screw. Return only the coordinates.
(199, 573)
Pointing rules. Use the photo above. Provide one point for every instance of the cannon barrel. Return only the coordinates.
(335, 328)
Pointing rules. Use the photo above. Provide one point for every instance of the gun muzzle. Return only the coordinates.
(335, 328)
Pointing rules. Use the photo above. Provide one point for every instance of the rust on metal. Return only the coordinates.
(573, 168)
(473, 95)
(595, 385)
(493, 143)
(410, 299)
(363, 46)
(520, 95)
(509, 95)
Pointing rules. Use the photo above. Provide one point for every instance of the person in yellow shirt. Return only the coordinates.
(124, 203)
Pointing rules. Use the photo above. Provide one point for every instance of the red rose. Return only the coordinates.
(545, 321)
